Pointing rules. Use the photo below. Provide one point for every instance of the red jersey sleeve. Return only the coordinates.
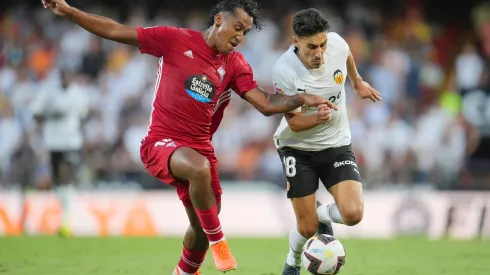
(244, 77)
(155, 40)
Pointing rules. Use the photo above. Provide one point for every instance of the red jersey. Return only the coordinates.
(193, 82)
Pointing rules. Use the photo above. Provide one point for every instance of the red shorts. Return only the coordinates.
(155, 155)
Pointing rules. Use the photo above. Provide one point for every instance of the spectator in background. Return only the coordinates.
(93, 61)
(10, 139)
(60, 108)
(406, 56)
(469, 67)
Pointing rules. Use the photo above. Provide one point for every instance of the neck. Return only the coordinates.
(208, 37)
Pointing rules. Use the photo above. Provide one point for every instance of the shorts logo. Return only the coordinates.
(165, 142)
(200, 88)
(337, 164)
(338, 76)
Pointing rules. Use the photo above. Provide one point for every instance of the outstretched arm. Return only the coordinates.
(98, 25)
(270, 104)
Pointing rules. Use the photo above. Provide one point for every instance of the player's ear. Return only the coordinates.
(218, 19)
(295, 41)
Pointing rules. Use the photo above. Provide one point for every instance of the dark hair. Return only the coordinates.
(309, 22)
(249, 6)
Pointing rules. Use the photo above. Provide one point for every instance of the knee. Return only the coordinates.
(201, 170)
(308, 228)
(352, 215)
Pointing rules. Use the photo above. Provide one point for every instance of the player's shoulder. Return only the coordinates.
(182, 31)
(236, 59)
(285, 66)
(337, 42)
(171, 29)
(236, 56)
(335, 38)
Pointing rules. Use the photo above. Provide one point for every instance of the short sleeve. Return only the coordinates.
(243, 80)
(282, 81)
(155, 40)
(338, 43)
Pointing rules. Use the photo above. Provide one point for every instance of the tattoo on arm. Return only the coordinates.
(270, 104)
(278, 100)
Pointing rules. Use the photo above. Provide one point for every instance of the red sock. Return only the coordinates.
(191, 260)
(210, 223)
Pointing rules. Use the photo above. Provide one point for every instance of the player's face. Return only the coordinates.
(232, 29)
(311, 49)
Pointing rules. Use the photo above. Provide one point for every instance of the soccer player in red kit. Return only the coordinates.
(197, 72)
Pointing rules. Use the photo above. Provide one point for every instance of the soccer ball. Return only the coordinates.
(323, 255)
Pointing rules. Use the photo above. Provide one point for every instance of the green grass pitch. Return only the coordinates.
(158, 256)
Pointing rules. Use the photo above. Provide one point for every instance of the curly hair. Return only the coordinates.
(249, 6)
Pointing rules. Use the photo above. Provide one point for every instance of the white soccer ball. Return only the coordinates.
(323, 255)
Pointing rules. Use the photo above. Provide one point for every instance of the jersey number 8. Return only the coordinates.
(289, 166)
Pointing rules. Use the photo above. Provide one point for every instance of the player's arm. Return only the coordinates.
(361, 88)
(270, 104)
(352, 72)
(98, 25)
(298, 122)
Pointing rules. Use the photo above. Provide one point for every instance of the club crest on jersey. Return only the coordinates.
(221, 73)
(200, 88)
(338, 76)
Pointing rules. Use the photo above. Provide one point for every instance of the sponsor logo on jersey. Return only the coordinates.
(200, 88)
(338, 76)
(309, 108)
(278, 90)
(306, 107)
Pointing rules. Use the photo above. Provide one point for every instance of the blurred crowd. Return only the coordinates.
(417, 134)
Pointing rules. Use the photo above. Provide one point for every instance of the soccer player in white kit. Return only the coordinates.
(315, 143)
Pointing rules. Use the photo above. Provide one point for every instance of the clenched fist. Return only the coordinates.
(324, 114)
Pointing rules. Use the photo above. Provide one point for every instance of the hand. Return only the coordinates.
(58, 7)
(364, 90)
(323, 115)
(315, 100)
